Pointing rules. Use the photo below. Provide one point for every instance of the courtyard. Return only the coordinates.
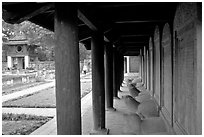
(25, 113)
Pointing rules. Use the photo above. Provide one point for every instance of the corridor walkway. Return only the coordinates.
(116, 121)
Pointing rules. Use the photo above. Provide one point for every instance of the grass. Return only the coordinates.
(11, 89)
(42, 99)
(21, 124)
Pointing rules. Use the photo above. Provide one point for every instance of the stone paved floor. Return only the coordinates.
(115, 121)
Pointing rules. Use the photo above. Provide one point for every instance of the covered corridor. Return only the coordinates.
(167, 37)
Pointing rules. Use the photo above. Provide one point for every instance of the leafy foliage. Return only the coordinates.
(37, 35)
(84, 54)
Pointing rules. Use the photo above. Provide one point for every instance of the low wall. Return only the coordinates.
(47, 65)
(17, 79)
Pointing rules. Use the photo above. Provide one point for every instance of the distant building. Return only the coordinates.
(131, 64)
(19, 52)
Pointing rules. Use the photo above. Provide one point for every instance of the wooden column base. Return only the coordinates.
(100, 132)
(110, 109)
(116, 98)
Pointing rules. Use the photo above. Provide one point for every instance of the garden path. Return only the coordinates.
(27, 91)
(31, 90)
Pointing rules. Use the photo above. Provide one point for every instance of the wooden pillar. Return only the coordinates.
(120, 70)
(117, 71)
(98, 89)
(109, 77)
(115, 91)
(141, 64)
(120, 73)
(147, 68)
(68, 99)
(140, 67)
(144, 68)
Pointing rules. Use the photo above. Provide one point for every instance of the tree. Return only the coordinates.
(35, 34)
(83, 53)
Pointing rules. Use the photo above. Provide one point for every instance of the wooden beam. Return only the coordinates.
(85, 39)
(134, 35)
(105, 39)
(11, 3)
(84, 34)
(127, 49)
(36, 12)
(83, 18)
(89, 23)
(134, 45)
(139, 21)
(128, 53)
(135, 42)
(118, 4)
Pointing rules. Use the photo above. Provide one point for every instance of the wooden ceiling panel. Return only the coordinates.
(125, 24)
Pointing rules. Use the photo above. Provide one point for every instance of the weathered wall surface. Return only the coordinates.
(12, 51)
(167, 73)
(198, 73)
(187, 90)
(134, 64)
(157, 65)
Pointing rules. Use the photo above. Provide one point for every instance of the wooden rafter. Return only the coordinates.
(89, 23)
(37, 12)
